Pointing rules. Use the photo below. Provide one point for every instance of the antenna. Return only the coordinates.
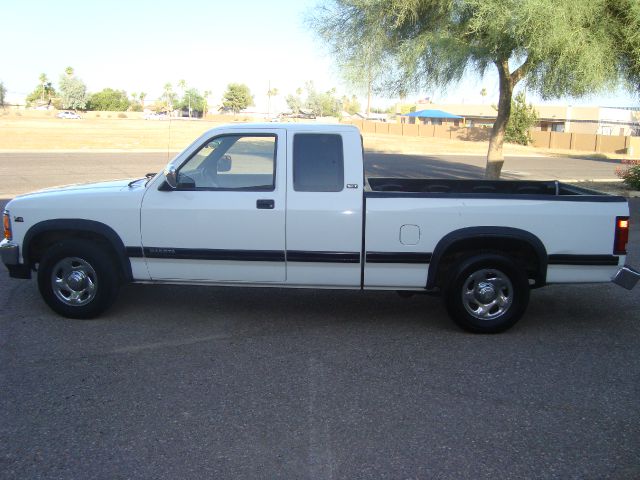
(169, 141)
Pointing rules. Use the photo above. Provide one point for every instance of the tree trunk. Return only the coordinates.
(369, 99)
(495, 158)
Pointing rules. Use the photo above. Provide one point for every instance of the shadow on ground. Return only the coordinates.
(419, 166)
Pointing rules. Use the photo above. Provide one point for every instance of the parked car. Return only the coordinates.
(288, 205)
(155, 116)
(69, 115)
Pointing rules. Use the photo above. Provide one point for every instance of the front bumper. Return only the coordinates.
(626, 277)
(10, 255)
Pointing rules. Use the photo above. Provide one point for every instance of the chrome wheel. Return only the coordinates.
(74, 281)
(487, 294)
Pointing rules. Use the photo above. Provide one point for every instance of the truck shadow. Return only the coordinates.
(419, 166)
(278, 309)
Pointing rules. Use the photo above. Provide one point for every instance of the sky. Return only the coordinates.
(139, 45)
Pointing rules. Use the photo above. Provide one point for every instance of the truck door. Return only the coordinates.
(225, 222)
(324, 209)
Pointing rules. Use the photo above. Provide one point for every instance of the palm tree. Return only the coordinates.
(142, 96)
(182, 85)
(272, 92)
(68, 71)
(168, 96)
(483, 93)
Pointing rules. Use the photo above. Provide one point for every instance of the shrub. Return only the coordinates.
(122, 115)
(523, 117)
(631, 174)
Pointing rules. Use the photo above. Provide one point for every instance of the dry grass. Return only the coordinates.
(41, 131)
(51, 134)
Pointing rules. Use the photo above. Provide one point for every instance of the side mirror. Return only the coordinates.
(171, 176)
(224, 164)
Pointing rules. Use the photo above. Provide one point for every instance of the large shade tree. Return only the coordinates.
(237, 97)
(557, 48)
(73, 91)
(109, 100)
(625, 17)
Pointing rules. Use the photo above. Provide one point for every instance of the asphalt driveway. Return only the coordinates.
(195, 382)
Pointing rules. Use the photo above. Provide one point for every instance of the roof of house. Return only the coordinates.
(433, 114)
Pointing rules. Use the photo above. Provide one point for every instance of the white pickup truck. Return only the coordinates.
(288, 205)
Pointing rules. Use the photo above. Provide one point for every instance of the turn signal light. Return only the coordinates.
(622, 236)
(6, 222)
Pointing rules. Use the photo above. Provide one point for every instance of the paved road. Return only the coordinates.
(194, 382)
(24, 172)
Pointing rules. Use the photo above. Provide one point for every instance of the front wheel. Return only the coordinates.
(77, 279)
(487, 293)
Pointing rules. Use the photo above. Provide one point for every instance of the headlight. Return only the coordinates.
(6, 222)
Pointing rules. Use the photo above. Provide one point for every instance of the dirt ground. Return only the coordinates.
(35, 131)
(106, 134)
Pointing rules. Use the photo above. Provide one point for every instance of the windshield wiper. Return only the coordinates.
(148, 177)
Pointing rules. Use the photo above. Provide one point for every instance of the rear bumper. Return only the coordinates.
(626, 277)
(10, 254)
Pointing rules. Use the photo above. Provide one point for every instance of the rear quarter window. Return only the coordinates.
(318, 163)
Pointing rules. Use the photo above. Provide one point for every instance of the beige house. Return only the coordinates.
(569, 119)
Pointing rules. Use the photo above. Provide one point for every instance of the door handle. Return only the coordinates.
(265, 204)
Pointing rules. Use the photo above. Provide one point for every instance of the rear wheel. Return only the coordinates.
(487, 293)
(77, 279)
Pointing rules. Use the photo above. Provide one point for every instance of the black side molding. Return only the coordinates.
(243, 255)
(322, 257)
(398, 257)
(213, 254)
(596, 260)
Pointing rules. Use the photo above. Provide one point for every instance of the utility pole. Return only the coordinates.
(269, 101)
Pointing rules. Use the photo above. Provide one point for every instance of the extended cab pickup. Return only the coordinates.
(288, 205)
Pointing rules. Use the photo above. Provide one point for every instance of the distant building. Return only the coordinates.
(433, 117)
(571, 119)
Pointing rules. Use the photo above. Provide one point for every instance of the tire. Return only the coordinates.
(486, 293)
(77, 279)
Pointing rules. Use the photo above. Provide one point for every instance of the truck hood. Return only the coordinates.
(113, 185)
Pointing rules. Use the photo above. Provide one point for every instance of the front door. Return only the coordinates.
(225, 222)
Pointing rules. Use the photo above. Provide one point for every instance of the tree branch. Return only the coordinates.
(521, 71)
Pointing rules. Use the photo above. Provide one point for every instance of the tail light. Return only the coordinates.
(6, 222)
(622, 236)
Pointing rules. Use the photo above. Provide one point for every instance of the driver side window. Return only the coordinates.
(231, 162)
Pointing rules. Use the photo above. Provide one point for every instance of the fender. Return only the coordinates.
(493, 233)
(79, 225)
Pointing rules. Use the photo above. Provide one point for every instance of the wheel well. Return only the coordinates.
(42, 241)
(521, 252)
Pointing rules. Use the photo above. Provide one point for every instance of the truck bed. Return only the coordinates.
(486, 189)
